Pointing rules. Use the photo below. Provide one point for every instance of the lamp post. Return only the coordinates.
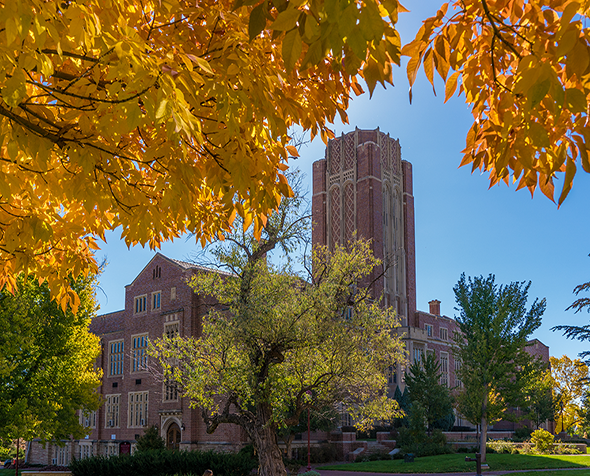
(308, 436)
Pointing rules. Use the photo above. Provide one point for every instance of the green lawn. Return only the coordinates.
(457, 463)
(573, 472)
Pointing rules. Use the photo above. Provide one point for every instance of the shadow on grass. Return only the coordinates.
(457, 463)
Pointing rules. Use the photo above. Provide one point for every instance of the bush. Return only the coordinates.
(165, 463)
(150, 440)
(543, 440)
(523, 433)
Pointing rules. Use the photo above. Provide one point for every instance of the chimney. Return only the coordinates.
(435, 307)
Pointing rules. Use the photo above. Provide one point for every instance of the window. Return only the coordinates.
(458, 382)
(116, 350)
(61, 455)
(444, 333)
(156, 272)
(173, 293)
(418, 354)
(172, 330)
(138, 409)
(428, 328)
(89, 419)
(141, 304)
(86, 450)
(392, 374)
(111, 449)
(170, 391)
(139, 359)
(444, 368)
(112, 408)
(156, 300)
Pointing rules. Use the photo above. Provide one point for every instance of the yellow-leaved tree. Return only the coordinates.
(524, 68)
(164, 116)
(168, 116)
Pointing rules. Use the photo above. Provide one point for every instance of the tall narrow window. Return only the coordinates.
(89, 419)
(140, 304)
(444, 368)
(156, 297)
(116, 351)
(458, 382)
(112, 408)
(139, 359)
(428, 328)
(170, 391)
(444, 333)
(138, 409)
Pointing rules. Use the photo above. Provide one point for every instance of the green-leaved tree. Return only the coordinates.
(425, 389)
(277, 335)
(494, 325)
(47, 360)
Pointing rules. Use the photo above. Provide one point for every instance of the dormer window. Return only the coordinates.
(156, 272)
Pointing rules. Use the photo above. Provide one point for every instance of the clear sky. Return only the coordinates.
(461, 226)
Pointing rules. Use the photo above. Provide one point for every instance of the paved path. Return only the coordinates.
(325, 472)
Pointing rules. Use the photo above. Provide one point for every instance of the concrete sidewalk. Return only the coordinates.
(325, 472)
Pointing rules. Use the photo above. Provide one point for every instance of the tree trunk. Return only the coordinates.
(288, 445)
(484, 426)
(270, 461)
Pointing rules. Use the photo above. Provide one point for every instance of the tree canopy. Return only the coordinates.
(162, 117)
(570, 383)
(277, 344)
(47, 358)
(495, 325)
(523, 67)
(424, 389)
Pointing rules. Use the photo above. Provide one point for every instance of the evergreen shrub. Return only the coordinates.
(165, 463)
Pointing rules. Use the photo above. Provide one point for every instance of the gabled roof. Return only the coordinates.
(185, 265)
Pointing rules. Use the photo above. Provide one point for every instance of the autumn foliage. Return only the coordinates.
(164, 116)
(523, 68)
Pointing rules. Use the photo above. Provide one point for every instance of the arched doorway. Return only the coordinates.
(173, 437)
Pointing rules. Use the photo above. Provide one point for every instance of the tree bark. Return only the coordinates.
(270, 461)
(288, 445)
(484, 425)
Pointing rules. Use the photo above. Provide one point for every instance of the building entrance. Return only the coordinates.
(173, 437)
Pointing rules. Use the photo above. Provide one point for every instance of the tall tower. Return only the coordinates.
(363, 185)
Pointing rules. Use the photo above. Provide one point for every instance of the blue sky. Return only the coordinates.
(461, 226)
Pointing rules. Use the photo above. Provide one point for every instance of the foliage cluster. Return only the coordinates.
(570, 386)
(165, 463)
(47, 358)
(277, 342)
(427, 395)
(495, 324)
(150, 440)
(543, 440)
(529, 447)
(111, 112)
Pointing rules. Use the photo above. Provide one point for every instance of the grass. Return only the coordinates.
(573, 472)
(456, 463)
